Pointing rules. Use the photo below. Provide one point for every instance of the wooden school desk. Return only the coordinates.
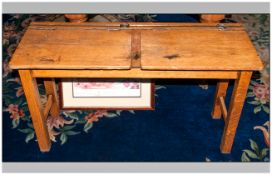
(52, 50)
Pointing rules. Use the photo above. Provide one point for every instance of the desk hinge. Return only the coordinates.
(221, 26)
(124, 26)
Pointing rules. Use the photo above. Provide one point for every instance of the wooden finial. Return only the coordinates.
(212, 18)
(77, 18)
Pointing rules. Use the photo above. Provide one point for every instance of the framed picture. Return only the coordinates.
(111, 94)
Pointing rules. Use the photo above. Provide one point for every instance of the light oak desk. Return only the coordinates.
(136, 50)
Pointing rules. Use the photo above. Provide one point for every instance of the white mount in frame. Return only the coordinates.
(107, 94)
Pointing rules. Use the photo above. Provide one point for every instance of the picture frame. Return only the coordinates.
(106, 94)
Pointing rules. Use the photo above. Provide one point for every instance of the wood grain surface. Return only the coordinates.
(234, 110)
(48, 106)
(73, 49)
(198, 50)
(221, 90)
(51, 89)
(223, 108)
(35, 108)
(136, 49)
(135, 73)
(163, 46)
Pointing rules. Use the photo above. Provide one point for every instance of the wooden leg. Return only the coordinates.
(221, 90)
(35, 108)
(235, 109)
(205, 18)
(50, 88)
(77, 18)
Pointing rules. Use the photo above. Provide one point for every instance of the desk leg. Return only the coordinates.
(50, 88)
(35, 108)
(211, 18)
(235, 109)
(221, 90)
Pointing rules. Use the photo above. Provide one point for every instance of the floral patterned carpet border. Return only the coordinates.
(77, 126)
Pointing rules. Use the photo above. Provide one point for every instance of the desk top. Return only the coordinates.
(155, 46)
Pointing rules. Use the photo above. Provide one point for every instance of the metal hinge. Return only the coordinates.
(221, 26)
(124, 25)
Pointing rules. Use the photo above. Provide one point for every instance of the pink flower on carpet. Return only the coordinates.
(15, 112)
(93, 117)
(261, 92)
(57, 122)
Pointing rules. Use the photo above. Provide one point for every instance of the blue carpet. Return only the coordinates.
(180, 129)
(175, 18)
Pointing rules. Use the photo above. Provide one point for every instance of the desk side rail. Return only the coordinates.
(135, 73)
